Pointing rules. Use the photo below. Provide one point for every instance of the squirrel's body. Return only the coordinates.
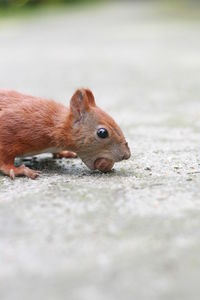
(30, 125)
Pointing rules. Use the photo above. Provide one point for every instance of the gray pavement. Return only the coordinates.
(131, 234)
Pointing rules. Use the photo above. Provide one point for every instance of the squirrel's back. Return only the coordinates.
(10, 98)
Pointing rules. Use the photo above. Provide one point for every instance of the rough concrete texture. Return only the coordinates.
(131, 234)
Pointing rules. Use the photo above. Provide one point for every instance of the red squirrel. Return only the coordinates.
(30, 126)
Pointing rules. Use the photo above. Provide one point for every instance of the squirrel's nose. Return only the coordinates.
(127, 152)
(126, 155)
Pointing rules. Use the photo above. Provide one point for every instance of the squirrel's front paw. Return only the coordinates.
(65, 154)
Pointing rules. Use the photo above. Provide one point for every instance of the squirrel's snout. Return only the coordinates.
(127, 152)
(127, 155)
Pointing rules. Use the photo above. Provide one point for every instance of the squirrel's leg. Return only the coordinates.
(65, 154)
(12, 171)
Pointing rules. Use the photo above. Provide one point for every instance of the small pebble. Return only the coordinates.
(147, 169)
(189, 179)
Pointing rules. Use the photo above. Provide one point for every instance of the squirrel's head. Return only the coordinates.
(96, 135)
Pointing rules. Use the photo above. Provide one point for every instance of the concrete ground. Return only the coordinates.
(134, 233)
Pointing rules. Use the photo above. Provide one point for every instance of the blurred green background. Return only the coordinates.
(8, 3)
(9, 7)
(13, 8)
(21, 3)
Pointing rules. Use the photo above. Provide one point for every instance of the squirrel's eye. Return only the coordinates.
(102, 133)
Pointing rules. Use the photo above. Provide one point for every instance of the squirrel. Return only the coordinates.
(31, 125)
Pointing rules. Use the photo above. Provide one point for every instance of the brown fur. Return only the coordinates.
(32, 125)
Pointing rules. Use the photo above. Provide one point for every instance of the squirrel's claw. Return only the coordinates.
(12, 174)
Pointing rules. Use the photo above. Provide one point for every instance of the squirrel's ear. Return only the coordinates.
(79, 103)
(90, 96)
